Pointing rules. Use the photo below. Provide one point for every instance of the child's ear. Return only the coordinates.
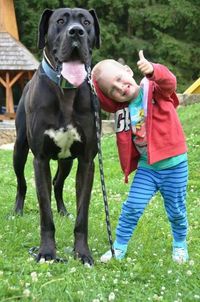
(129, 70)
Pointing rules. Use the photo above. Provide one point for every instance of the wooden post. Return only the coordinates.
(9, 95)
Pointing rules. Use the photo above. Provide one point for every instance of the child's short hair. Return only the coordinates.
(98, 68)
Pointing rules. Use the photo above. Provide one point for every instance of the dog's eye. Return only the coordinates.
(60, 21)
(86, 22)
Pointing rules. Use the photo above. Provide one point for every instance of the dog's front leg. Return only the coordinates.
(43, 186)
(84, 182)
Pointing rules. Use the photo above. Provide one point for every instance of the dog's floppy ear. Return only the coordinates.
(97, 28)
(43, 27)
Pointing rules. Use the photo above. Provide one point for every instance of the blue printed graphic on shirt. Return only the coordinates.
(138, 124)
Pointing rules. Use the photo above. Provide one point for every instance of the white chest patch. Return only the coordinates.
(64, 139)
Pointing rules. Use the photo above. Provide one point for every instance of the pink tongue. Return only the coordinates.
(74, 72)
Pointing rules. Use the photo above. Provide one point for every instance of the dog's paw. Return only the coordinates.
(87, 260)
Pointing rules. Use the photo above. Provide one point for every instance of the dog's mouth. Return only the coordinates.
(74, 72)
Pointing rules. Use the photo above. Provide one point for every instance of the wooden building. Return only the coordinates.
(17, 64)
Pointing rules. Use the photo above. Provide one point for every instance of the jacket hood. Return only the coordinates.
(107, 104)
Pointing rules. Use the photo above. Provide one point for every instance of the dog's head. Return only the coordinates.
(69, 34)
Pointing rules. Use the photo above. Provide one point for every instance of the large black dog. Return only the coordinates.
(56, 121)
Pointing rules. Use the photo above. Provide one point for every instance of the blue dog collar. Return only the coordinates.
(55, 76)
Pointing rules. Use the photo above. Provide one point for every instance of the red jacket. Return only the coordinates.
(165, 136)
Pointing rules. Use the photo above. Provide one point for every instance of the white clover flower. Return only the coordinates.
(34, 277)
(1, 273)
(169, 271)
(155, 297)
(197, 297)
(87, 265)
(73, 270)
(27, 292)
(95, 300)
(163, 288)
(42, 260)
(189, 273)
(115, 281)
(191, 262)
(111, 297)
(48, 274)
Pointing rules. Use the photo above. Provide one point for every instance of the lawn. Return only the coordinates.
(147, 273)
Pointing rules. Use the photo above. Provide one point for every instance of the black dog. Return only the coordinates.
(56, 121)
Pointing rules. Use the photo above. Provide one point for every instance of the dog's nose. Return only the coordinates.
(76, 30)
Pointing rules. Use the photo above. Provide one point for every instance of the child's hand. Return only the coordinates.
(144, 65)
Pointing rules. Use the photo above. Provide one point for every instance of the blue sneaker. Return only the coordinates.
(120, 252)
(180, 252)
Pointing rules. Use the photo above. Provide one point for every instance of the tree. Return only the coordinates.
(167, 31)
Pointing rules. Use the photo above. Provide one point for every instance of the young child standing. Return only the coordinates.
(151, 141)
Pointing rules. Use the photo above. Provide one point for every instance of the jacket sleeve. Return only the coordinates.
(164, 78)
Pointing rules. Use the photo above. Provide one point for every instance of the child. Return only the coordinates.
(150, 139)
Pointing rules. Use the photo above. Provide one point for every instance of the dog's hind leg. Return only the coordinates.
(19, 160)
(20, 154)
(64, 168)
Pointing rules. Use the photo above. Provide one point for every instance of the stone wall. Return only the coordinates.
(8, 134)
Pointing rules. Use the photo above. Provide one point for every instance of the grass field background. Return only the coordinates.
(147, 273)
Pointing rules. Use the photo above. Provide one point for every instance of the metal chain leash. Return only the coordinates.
(95, 103)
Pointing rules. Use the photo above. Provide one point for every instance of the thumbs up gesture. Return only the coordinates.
(144, 65)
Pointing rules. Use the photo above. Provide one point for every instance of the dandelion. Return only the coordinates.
(111, 297)
(27, 292)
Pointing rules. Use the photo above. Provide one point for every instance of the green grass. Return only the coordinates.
(147, 274)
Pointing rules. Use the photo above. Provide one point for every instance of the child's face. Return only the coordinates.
(117, 83)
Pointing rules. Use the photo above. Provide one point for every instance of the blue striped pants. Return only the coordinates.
(172, 184)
